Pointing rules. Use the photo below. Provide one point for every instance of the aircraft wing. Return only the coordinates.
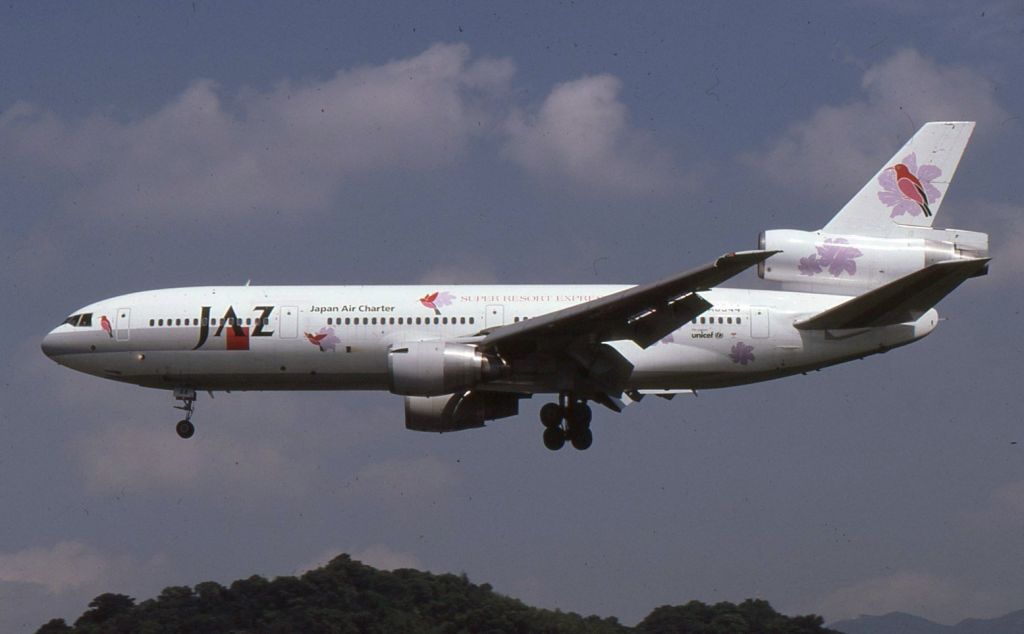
(644, 314)
(900, 301)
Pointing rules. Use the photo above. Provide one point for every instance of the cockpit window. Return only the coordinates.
(80, 320)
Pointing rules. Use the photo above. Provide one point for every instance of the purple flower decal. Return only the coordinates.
(324, 339)
(834, 254)
(809, 265)
(742, 353)
(891, 196)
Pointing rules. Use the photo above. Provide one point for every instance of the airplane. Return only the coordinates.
(865, 283)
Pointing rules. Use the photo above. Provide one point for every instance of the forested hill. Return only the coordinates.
(347, 596)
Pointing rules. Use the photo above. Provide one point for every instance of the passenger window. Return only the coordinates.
(400, 322)
(444, 320)
(471, 320)
(248, 321)
(151, 322)
(721, 321)
(702, 320)
(391, 321)
(436, 321)
(738, 320)
(462, 320)
(418, 321)
(161, 322)
(728, 320)
(330, 321)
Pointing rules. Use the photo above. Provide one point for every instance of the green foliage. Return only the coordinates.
(347, 597)
(750, 617)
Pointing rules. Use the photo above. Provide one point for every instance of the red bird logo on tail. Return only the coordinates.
(911, 188)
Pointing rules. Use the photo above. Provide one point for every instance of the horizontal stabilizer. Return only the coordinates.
(898, 302)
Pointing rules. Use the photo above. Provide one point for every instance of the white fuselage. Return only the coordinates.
(338, 337)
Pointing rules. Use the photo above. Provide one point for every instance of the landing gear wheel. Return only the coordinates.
(187, 396)
(551, 415)
(579, 416)
(185, 428)
(582, 439)
(554, 438)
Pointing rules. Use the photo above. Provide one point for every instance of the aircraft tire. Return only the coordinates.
(582, 439)
(185, 428)
(551, 415)
(554, 438)
(579, 416)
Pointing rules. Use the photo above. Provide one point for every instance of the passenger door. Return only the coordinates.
(123, 324)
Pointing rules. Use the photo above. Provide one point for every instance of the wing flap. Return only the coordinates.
(901, 301)
(643, 314)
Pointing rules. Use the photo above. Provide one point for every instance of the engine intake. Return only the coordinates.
(432, 368)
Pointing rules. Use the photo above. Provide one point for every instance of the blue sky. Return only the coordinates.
(202, 143)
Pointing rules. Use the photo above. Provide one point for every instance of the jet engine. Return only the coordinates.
(454, 412)
(432, 368)
(860, 262)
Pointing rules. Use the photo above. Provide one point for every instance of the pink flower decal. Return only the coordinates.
(105, 325)
(437, 300)
(908, 189)
(834, 254)
(325, 339)
(741, 353)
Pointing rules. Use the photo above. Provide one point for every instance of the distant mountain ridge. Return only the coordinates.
(901, 623)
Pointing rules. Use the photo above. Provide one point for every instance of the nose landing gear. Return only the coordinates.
(569, 419)
(187, 396)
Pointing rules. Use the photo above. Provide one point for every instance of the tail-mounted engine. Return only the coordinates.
(859, 262)
(432, 368)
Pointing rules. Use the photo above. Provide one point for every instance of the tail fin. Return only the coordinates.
(910, 188)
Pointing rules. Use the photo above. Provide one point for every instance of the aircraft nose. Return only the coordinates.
(48, 345)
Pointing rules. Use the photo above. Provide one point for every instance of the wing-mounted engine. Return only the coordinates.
(838, 262)
(454, 412)
(432, 368)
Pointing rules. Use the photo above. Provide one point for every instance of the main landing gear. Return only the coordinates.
(569, 419)
(187, 396)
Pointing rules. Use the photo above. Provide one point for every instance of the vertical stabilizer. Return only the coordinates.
(910, 187)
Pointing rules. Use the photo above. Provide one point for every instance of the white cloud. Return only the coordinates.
(1003, 512)
(581, 136)
(288, 148)
(69, 566)
(841, 146)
